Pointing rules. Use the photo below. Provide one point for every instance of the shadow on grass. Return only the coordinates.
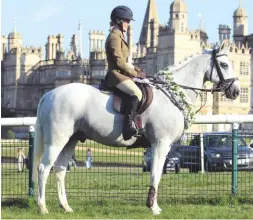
(19, 203)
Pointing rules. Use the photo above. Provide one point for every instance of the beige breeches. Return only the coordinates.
(129, 87)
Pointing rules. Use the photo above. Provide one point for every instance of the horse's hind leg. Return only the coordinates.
(60, 169)
(50, 155)
(160, 150)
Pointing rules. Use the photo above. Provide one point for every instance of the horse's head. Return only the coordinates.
(221, 73)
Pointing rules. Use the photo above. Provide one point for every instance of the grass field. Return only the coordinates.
(115, 209)
(119, 192)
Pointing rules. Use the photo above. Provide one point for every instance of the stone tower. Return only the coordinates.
(240, 24)
(60, 42)
(97, 40)
(178, 16)
(14, 39)
(74, 45)
(154, 26)
(224, 32)
(54, 44)
(145, 36)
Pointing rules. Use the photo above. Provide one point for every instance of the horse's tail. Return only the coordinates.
(38, 144)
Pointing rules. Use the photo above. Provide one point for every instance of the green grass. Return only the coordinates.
(116, 192)
(131, 183)
(114, 209)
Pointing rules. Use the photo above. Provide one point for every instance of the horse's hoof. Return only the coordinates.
(156, 211)
(66, 208)
(43, 210)
(159, 209)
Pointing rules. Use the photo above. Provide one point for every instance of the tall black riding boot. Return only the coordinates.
(129, 127)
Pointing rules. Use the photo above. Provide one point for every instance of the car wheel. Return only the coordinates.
(177, 168)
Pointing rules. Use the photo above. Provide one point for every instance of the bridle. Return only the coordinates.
(222, 86)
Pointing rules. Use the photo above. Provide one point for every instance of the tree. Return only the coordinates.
(10, 134)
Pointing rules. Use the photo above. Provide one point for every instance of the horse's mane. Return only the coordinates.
(186, 61)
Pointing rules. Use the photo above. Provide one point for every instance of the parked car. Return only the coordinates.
(171, 163)
(217, 153)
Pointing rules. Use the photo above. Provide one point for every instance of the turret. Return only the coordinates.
(178, 16)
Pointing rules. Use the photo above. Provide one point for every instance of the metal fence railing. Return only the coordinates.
(124, 173)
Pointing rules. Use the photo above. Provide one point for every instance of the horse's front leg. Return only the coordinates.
(159, 151)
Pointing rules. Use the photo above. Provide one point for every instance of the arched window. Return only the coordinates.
(182, 27)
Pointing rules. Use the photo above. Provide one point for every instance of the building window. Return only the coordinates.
(203, 96)
(224, 99)
(244, 68)
(182, 27)
(177, 16)
(244, 96)
(217, 97)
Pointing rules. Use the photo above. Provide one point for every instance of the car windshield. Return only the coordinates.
(224, 141)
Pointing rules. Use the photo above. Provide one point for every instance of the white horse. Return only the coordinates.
(73, 109)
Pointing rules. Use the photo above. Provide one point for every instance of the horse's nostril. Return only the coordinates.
(236, 93)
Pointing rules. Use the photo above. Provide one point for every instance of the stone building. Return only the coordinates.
(27, 74)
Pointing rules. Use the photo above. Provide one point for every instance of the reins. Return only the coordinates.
(223, 85)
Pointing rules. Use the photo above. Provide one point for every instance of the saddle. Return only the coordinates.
(120, 100)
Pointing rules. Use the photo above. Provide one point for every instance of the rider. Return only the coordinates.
(120, 74)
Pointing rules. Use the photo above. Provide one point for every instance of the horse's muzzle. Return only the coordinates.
(233, 90)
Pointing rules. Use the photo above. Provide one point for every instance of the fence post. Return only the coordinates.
(202, 153)
(234, 158)
(31, 147)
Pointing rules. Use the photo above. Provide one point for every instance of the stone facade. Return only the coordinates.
(27, 75)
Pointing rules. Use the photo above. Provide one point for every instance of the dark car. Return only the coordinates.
(217, 153)
(171, 163)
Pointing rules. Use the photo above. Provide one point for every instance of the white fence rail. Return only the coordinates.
(200, 119)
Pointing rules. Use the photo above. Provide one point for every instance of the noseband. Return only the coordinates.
(224, 84)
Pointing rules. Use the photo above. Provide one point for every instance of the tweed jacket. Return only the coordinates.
(117, 53)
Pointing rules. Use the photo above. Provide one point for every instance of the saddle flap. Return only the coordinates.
(117, 102)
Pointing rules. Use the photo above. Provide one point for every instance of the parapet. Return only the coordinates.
(96, 32)
(32, 50)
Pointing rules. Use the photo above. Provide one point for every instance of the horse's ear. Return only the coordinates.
(225, 46)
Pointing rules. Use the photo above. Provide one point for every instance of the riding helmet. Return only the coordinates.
(122, 12)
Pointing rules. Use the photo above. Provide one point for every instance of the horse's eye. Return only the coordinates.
(224, 65)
